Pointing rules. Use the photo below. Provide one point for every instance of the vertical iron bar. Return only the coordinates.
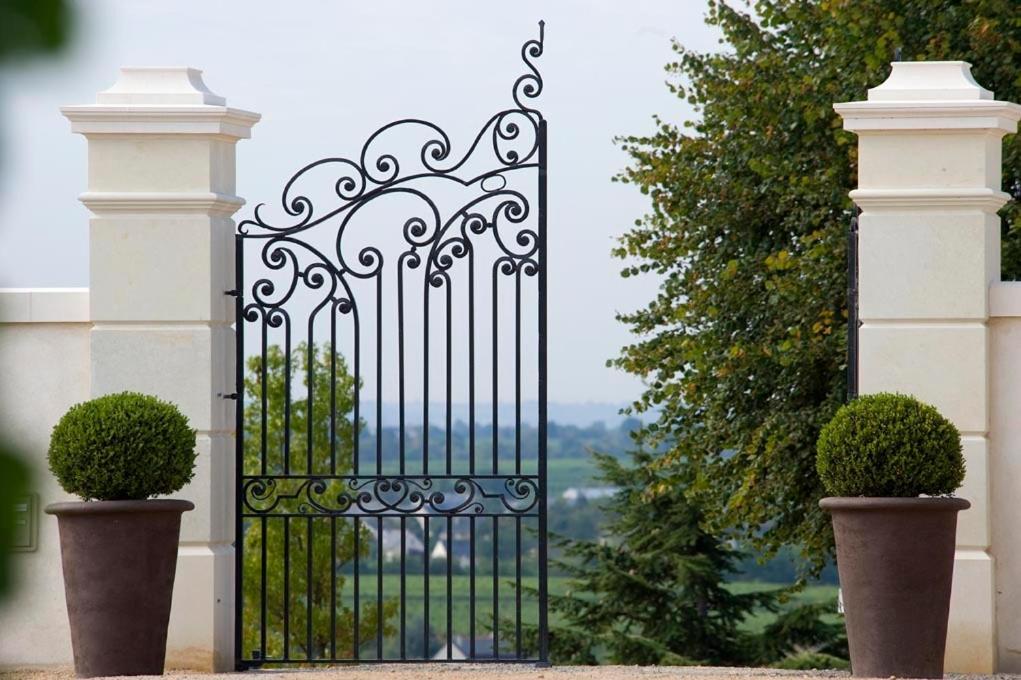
(379, 589)
(333, 389)
(333, 586)
(379, 457)
(379, 371)
(308, 590)
(517, 368)
(310, 373)
(450, 587)
(356, 635)
(543, 585)
(496, 367)
(287, 395)
(471, 447)
(450, 314)
(400, 360)
(496, 587)
(852, 307)
(356, 430)
(264, 396)
(471, 586)
(425, 592)
(262, 613)
(496, 451)
(425, 371)
(517, 588)
(239, 448)
(404, 601)
(517, 455)
(287, 587)
(425, 424)
(471, 360)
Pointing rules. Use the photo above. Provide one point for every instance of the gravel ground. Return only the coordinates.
(458, 672)
(483, 672)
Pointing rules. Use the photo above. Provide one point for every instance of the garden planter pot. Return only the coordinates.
(119, 559)
(895, 557)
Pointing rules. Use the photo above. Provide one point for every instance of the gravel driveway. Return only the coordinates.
(482, 672)
(458, 672)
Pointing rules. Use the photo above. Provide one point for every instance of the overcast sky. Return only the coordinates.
(324, 75)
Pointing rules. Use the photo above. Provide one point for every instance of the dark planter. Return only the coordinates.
(895, 557)
(119, 559)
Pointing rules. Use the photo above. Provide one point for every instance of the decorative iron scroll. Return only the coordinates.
(396, 495)
(508, 142)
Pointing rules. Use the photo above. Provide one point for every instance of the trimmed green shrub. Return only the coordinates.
(889, 445)
(125, 446)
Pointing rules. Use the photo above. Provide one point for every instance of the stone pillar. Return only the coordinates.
(929, 160)
(161, 190)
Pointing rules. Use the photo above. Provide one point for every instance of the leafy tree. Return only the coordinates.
(324, 451)
(743, 348)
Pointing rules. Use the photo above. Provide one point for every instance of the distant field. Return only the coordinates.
(810, 594)
(563, 473)
(415, 598)
(460, 611)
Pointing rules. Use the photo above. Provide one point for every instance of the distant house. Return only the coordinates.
(461, 648)
(575, 494)
(442, 547)
(392, 539)
(458, 551)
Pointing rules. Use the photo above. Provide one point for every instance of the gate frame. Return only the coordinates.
(530, 85)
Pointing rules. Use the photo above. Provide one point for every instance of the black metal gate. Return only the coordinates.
(391, 392)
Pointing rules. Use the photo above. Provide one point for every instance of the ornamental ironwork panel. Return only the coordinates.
(391, 393)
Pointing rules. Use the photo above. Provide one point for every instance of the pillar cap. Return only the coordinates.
(929, 80)
(172, 100)
(161, 87)
(929, 95)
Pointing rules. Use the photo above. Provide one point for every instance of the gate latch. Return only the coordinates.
(233, 292)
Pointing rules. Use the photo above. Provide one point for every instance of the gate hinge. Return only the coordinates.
(232, 395)
(233, 292)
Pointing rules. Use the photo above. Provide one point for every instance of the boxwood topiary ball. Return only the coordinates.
(889, 445)
(125, 446)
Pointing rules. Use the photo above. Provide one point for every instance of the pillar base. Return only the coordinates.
(201, 634)
(971, 636)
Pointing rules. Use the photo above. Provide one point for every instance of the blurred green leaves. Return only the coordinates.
(28, 27)
(14, 483)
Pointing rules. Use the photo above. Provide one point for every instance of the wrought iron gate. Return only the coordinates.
(385, 511)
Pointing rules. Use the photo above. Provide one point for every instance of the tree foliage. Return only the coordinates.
(329, 444)
(653, 593)
(743, 348)
(655, 590)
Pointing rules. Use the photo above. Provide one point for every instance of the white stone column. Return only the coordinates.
(929, 161)
(161, 175)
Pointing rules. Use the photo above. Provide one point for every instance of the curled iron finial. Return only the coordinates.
(529, 85)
